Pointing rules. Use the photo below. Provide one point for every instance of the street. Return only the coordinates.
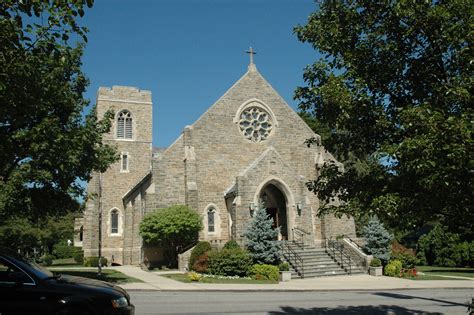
(423, 301)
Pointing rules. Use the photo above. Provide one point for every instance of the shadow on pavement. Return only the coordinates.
(367, 309)
(406, 297)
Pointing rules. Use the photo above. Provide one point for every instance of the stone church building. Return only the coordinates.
(247, 147)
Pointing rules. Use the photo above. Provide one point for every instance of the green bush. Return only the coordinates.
(229, 262)
(438, 247)
(94, 261)
(231, 245)
(464, 254)
(61, 251)
(264, 272)
(393, 268)
(47, 260)
(198, 250)
(79, 256)
(375, 262)
(284, 266)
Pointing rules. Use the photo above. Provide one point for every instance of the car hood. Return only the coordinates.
(81, 283)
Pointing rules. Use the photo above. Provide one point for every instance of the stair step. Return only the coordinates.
(318, 263)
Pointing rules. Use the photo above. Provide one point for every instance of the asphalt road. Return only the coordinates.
(429, 301)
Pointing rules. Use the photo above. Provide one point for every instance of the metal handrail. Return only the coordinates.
(293, 258)
(298, 236)
(336, 250)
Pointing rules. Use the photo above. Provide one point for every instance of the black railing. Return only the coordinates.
(293, 258)
(298, 236)
(337, 252)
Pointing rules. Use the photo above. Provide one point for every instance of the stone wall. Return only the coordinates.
(115, 183)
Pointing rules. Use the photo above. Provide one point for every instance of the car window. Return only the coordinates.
(29, 265)
(9, 273)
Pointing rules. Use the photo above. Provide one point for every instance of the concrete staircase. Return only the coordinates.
(318, 263)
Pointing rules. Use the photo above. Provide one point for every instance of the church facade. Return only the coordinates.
(248, 147)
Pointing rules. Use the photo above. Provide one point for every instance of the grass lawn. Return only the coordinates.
(446, 271)
(108, 275)
(433, 277)
(184, 278)
(66, 262)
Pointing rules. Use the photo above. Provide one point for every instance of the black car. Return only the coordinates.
(28, 288)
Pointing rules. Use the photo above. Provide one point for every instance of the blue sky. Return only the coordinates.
(189, 52)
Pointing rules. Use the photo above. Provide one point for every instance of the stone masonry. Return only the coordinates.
(246, 147)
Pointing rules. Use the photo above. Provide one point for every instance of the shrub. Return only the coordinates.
(438, 247)
(231, 245)
(375, 262)
(261, 237)
(201, 263)
(405, 255)
(79, 256)
(284, 266)
(378, 239)
(264, 272)
(393, 268)
(61, 251)
(47, 260)
(173, 228)
(94, 261)
(194, 276)
(198, 250)
(229, 262)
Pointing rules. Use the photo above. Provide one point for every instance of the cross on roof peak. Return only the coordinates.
(251, 52)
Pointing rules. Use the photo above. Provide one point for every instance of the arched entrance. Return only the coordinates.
(275, 203)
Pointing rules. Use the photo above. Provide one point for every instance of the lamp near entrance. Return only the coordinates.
(251, 208)
(299, 207)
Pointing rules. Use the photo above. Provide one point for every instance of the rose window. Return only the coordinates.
(255, 124)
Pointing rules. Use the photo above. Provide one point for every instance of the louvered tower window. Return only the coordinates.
(124, 125)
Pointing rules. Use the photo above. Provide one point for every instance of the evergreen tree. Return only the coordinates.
(262, 238)
(378, 239)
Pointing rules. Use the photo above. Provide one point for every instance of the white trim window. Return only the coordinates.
(114, 221)
(124, 125)
(211, 220)
(124, 162)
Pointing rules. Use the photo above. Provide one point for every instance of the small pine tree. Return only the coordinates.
(262, 241)
(378, 240)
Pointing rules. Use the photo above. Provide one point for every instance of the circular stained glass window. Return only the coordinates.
(255, 124)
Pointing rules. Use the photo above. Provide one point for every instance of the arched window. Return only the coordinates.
(114, 222)
(124, 125)
(81, 233)
(211, 213)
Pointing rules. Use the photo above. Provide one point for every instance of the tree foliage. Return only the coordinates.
(42, 235)
(394, 88)
(47, 146)
(261, 237)
(173, 228)
(378, 240)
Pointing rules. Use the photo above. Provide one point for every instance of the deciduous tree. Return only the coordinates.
(47, 145)
(394, 87)
(172, 228)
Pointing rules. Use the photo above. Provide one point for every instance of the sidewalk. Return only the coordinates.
(153, 281)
